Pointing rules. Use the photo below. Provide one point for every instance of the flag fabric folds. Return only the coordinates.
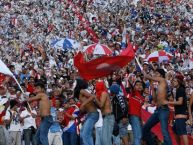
(103, 66)
(4, 69)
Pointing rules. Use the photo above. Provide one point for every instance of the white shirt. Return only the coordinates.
(30, 121)
(15, 123)
(99, 123)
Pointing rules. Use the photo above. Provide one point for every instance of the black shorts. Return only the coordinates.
(179, 126)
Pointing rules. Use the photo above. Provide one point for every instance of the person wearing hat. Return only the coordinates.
(161, 114)
(120, 112)
(12, 121)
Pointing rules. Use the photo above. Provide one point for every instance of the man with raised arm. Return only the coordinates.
(44, 112)
(162, 112)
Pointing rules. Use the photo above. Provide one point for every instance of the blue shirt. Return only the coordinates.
(55, 127)
(24, 76)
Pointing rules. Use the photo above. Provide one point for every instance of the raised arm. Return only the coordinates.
(153, 78)
(37, 97)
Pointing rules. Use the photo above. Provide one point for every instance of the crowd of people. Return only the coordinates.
(72, 111)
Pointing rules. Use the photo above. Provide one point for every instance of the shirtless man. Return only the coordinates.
(46, 118)
(88, 106)
(104, 102)
(162, 113)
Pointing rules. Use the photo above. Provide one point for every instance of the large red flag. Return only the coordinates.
(103, 66)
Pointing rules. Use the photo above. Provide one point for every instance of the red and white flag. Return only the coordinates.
(103, 66)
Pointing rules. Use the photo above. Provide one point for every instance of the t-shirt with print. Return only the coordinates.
(181, 109)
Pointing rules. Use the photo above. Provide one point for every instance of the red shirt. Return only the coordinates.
(135, 103)
(1, 117)
(30, 88)
(66, 118)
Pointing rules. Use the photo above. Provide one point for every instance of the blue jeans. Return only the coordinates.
(98, 138)
(87, 129)
(42, 132)
(136, 128)
(70, 138)
(107, 129)
(29, 137)
(160, 115)
(116, 140)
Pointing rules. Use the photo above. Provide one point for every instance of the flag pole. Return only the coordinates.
(138, 63)
(21, 91)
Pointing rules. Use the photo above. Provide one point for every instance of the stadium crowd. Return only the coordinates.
(107, 110)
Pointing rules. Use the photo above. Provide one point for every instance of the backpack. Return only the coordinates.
(120, 107)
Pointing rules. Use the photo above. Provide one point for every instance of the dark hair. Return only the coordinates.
(161, 71)
(13, 103)
(180, 80)
(138, 81)
(71, 98)
(81, 84)
(25, 104)
(40, 84)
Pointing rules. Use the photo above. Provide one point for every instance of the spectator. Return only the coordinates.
(12, 120)
(29, 125)
(162, 112)
(87, 104)
(120, 112)
(104, 102)
(70, 135)
(55, 130)
(136, 101)
(180, 107)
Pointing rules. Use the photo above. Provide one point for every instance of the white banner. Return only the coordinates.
(5, 70)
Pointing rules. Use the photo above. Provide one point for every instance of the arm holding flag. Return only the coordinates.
(37, 97)
(156, 79)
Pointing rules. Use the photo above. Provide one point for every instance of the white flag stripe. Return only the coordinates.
(5, 70)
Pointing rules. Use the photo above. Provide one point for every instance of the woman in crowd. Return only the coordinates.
(180, 108)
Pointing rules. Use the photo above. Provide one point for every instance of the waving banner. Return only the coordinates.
(103, 66)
